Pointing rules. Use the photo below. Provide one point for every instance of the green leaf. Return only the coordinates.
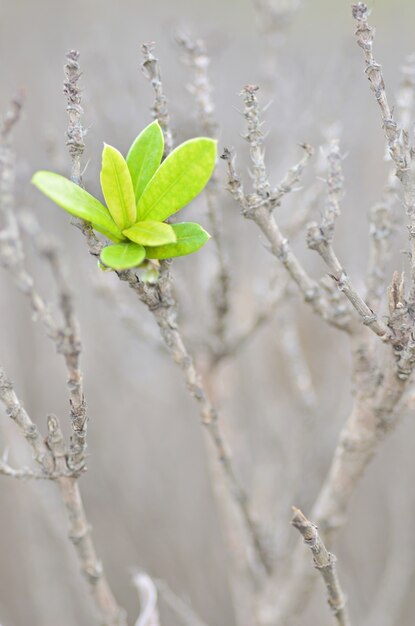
(151, 233)
(122, 256)
(117, 187)
(144, 157)
(77, 202)
(179, 179)
(190, 237)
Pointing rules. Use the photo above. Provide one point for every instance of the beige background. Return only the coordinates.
(147, 489)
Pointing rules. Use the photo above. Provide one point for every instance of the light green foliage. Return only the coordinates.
(117, 187)
(77, 202)
(144, 157)
(140, 194)
(190, 237)
(179, 179)
(151, 233)
(122, 256)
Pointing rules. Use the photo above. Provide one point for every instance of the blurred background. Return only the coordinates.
(147, 489)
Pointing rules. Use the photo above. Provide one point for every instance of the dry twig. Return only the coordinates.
(325, 562)
(260, 205)
(151, 70)
(196, 58)
(55, 461)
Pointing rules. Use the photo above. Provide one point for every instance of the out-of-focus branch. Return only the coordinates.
(147, 592)
(65, 335)
(294, 358)
(11, 250)
(265, 312)
(320, 238)
(400, 148)
(69, 342)
(196, 58)
(80, 532)
(113, 296)
(52, 457)
(308, 202)
(382, 225)
(160, 301)
(151, 70)
(405, 98)
(325, 563)
(395, 576)
(383, 216)
(274, 17)
(55, 461)
(375, 414)
(181, 608)
(164, 310)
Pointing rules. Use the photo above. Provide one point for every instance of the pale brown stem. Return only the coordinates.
(325, 563)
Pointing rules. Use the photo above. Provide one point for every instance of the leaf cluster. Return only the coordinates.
(141, 192)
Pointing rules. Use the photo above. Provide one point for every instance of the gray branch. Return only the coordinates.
(325, 563)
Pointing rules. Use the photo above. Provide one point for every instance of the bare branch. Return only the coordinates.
(319, 238)
(29, 430)
(259, 206)
(374, 415)
(151, 70)
(68, 340)
(383, 216)
(253, 208)
(80, 532)
(324, 561)
(197, 60)
(75, 132)
(398, 142)
(160, 301)
(52, 458)
(254, 136)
